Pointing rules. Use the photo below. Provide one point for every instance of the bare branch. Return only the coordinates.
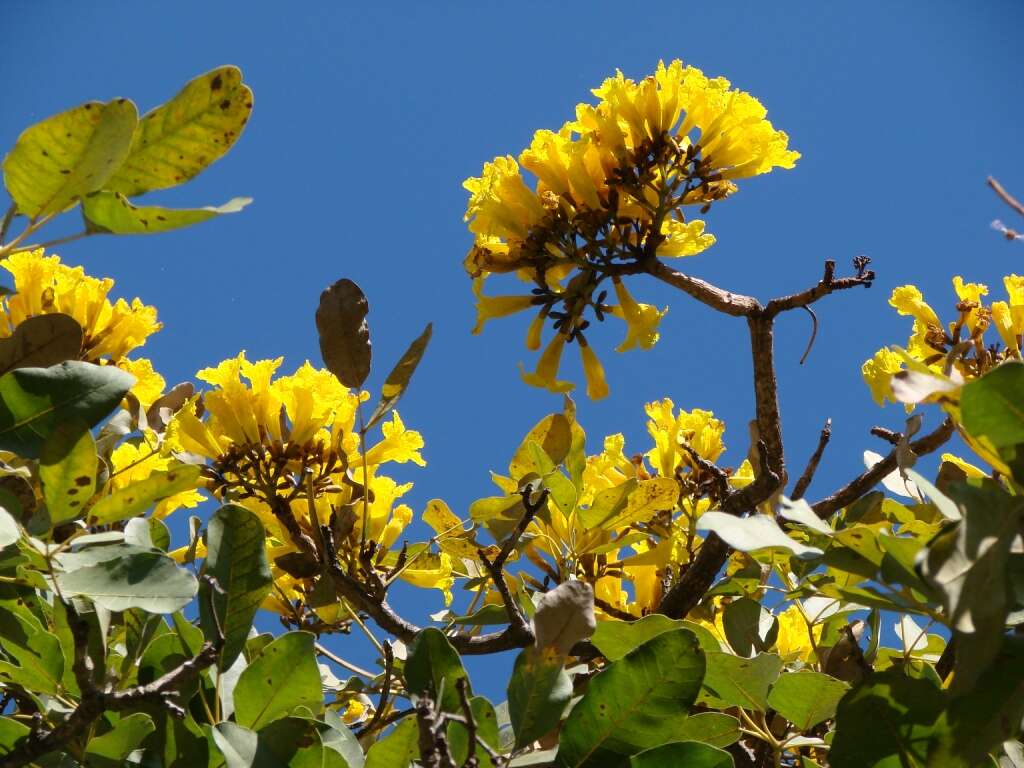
(1005, 196)
(812, 465)
(829, 283)
(863, 483)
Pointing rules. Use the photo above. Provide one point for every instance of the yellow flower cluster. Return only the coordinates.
(631, 525)
(110, 330)
(957, 351)
(271, 440)
(611, 185)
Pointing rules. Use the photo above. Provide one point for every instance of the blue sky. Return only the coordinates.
(369, 116)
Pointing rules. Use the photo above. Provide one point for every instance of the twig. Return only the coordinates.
(829, 283)
(684, 596)
(518, 624)
(867, 480)
(385, 688)
(1006, 197)
(342, 663)
(5, 224)
(96, 701)
(893, 438)
(611, 610)
(814, 334)
(432, 741)
(812, 465)
(51, 243)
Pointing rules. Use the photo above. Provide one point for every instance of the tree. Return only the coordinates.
(665, 608)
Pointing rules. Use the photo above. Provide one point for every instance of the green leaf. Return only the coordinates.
(617, 638)
(140, 496)
(243, 748)
(988, 714)
(106, 212)
(742, 682)
(486, 729)
(177, 140)
(67, 469)
(967, 563)
(11, 732)
(398, 380)
(750, 534)
(337, 736)
(799, 511)
(538, 693)
(147, 580)
(285, 676)
(396, 750)
(344, 335)
(635, 703)
(992, 407)
(692, 754)
(58, 160)
(749, 628)
(35, 659)
(433, 666)
(237, 558)
(889, 716)
(41, 341)
(806, 698)
(10, 530)
(33, 401)
(714, 728)
(112, 748)
(553, 435)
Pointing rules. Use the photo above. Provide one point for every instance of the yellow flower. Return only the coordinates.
(794, 641)
(968, 469)
(547, 367)
(490, 307)
(684, 238)
(970, 293)
(131, 463)
(907, 300)
(734, 135)
(149, 385)
(43, 286)
(1002, 318)
(878, 373)
(597, 387)
(642, 320)
(698, 429)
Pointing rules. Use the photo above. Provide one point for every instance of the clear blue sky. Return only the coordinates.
(368, 117)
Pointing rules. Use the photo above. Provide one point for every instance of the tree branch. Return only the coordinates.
(867, 480)
(812, 465)
(1005, 196)
(96, 701)
(829, 283)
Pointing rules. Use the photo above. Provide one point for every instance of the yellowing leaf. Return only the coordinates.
(66, 156)
(177, 140)
(110, 212)
(553, 434)
(139, 496)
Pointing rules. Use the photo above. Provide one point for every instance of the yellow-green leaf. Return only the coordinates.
(66, 156)
(553, 434)
(111, 213)
(177, 140)
(67, 469)
(136, 498)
